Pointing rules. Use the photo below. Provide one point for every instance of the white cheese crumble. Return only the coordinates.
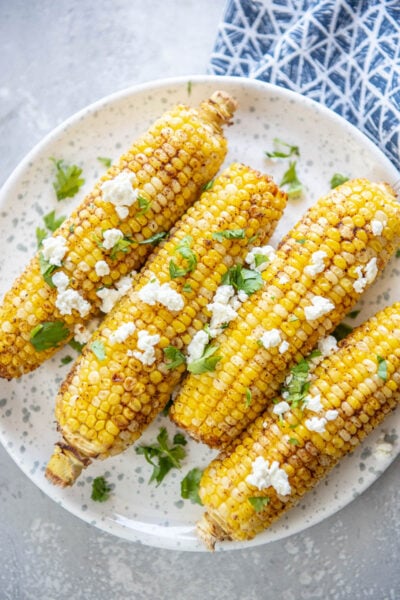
(271, 338)
(109, 296)
(195, 349)
(146, 343)
(119, 191)
(280, 408)
(327, 345)
(67, 299)
(313, 403)
(263, 476)
(366, 274)
(319, 306)
(283, 347)
(222, 308)
(54, 249)
(377, 227)
(122, 333)
(111, 237)
(331, 415)
(81, 334)
(267, 251)
(101, 268)
(316, 424)
(317, 263)
(164, 294)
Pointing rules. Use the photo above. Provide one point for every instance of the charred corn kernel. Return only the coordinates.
(166, 311)
(184, 141)
(307, 287)
(241, 475)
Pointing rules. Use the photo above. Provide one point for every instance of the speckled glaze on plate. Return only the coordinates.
(136, 510)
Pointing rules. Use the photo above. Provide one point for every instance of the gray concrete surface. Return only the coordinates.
(57, 57)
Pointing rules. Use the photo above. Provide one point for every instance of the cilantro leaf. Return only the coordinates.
(382, 368)
(229, 234)
(162, 456)
(207, 362)
(98, 350)
(66, 360)
(123, 245)
(338, 179)
(353, 314)
(76, 345)
(48, 334)
(190, 486)
(183, 248)
(166, 408)
(100, 489)
(68, 179)
(41, 234)
(283, 150)
(248, 397)
(143, 205)
(259, 502)
(207, 186)
(104, 160)
(398, 253)
(155, 239)
(187, 288)
(243, 279)
(291, 179)
(52, 223)
(175, 356)
(47, 270)
(341, 331)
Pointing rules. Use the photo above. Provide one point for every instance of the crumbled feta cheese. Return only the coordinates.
(267, 251)
(242, 296)
(313, 403)
(283, 279)
(164, 294)
(195, 349)
(54, 249)
(316, 424)
(110, 296)
(377, 227)
(271, 338)
(319, 306)
(222, 308)
(146, 342)
(331, 415)
(263, 476)
(119, 191)
(111, 237)
(60, 280)
(280, 408)
(317, 263)
(101, 268)
(283, 347)
(122, 333)
(81, 334)
(327, 345)
(67, 300)
(366, 274)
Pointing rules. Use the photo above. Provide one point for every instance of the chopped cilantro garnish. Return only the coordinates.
(283, 150)
(183, 248)
(68, 179)
(76, 346)
(166, 408)
(338, 179)
(154, 239)
(243, 279)
(341, 331)
(293, 441)
(229, 234)
(123, 245)
(260, 259)
(104, 160)
(297, 388)
(66, 360)
(98, 350)
(382, 368)
(259, 502)
(353, 314)
(290, 178)
(207, 186)
(162, 456)
(187, 288)
(175, 356)
(52, 222)
(41, 234)
(100, 489)
(190, 486)
(248, 398)
(398, 253)
(301, 241)
(207, 362)
(48, 335)
(143, 205)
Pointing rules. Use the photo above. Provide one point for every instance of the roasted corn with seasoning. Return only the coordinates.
(85, 265)
(319, 272)
(295, 443)
(129, 368)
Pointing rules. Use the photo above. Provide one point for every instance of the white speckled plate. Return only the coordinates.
(138, 511)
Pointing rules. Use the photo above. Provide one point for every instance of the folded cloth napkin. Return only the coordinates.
(342, 53)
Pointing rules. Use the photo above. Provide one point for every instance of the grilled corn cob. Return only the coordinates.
(278, 459)
(109, 399)
(105, 237)
(319, 272)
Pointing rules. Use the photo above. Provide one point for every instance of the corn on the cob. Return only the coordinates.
(320, 269)
(278, 459)
(151, 187)
(104, 405)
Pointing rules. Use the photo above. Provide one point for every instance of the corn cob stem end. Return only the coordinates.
(65, 465)
(210, 532)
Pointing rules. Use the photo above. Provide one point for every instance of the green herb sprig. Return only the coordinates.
(100, 489)
(68, 179)
(162, 456)
(48, 334)
(190, 486)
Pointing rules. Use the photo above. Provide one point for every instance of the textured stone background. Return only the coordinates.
(56, 58)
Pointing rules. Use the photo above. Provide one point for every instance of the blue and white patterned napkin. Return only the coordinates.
(342, 53)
